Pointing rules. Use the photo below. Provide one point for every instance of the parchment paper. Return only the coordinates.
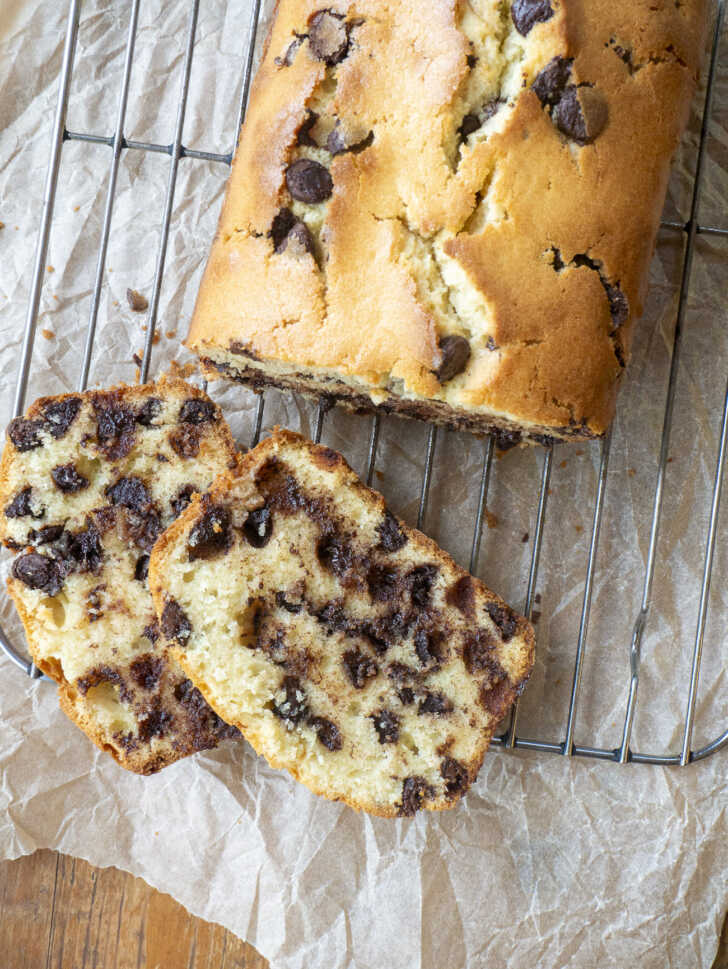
(547, 862)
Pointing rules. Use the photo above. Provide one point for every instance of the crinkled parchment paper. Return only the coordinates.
(547, 862)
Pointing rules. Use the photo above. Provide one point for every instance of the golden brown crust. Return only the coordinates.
(519, 237)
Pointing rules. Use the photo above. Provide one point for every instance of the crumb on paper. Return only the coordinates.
(631, 472)
(579, 451)
(76, 208)
(182, 371)
(50, 269)
(579, 529)
(669, 460)
(491, 519)
(55, 297)
(171, 334)
(563, 463)
(137, 358)
(136, 301)
(537, 598)
(525, 537)
(535, 616)
(48, 334)
(2, 225)
(380, 475)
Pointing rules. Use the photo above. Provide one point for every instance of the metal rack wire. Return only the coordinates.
(176, 151)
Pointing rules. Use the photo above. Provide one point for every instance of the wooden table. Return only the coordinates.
(60, 913)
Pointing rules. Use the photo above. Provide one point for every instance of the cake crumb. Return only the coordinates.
(183, 371)
(48, 334)
(136, 301)
(579, 529)
(563, 463)
(537, 597)
(631, 472)
(2, 225)
(76, 208)
(491, 519)
(170, 334)
(535, 616)
(669, 460)
(579, 451)
(525, 537)
(50, 269)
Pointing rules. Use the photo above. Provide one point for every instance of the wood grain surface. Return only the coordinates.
(58, 912)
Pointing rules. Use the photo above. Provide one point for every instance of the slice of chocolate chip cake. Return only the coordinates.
(347, 647)
(87, 483)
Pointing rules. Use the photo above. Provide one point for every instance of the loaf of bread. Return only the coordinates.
(347, 647)
(87, 483)
(447, 209)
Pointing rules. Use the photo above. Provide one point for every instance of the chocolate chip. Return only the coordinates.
(400, 672)
(24, 434)
(406, 695)
(461, 595)
(212, 535)
(478, 653)
(328, 37)
(49, 533)
(387, 726)
(552, 79)
(103, 674)
(298, 242)
(151, 632)
(184, 497)
(146, 670)
(505, 440)
(435, 703)
(304, 136)
(469, 124)
(526, 13)
(258, 527)
(131, 493)
(185, 441)
(456, 777)
(618, 304)
(60, 415)
(455, 351)
(308, 181)
(428, 647)
(284, 224)
(141, 569)
(382, 583)
(156, 723)
(175, 625)
(415, 790)
(293, 607)
(327, 732)
(334, 554)
(471, 60)
(137, 302)
(391, 536)
(68, 479)
(38, 572)
(420, 581)
(85, 548)
(387, 630)
(343, 138)
(293, 708)
(504, 618)
(115, 424)
(581, 113)
(22, 505)
(148, 411)
(360, 667)
(196, 411)
(142, 528)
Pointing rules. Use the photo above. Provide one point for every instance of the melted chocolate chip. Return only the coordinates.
(60, 415)
(469, 124)
(308, 181)
(505, 440)
(68, 479)
(386, 631)
(175, 625)
(334, 554)
(360, 667)
(420, 581)
(328, 37)
(49, 533)
(478, 654)
(400, 672)
(428, 647)
(526, 13)
(185, 441)
(382, 583)
(38, 572)
(618, 304)
(456, 777)
(25, 434)
(141, 569)
(496, 698)
(22, 505)
(391, 536)
(581, 113)
(184, 497)
(551, 80)
(293, 607)
(415, 790)
(148, 411)
(146, 670)
(115, 425)
(290, 233)
(155, 724)
(455, 351)
(85, 549)
(151, 632)
(327, 732)
(197, 411)
(103, 674)
(504, 618)
(212, 535)
(461, 595)
(435, 703)
(386, 724)
(304, 136)
(293, 708)
(341, 140)
(258, 527)
(333, 617)
(406, 695)
(141, 528)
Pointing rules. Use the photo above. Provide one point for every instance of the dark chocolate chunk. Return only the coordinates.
(471, 60)
(428, 647)
(581, 113)
(60, 415)
(456, 777)
(455, 351)
(469, 124)
(504, 618)
(68, 479)
(156, 723)
(131, 493)
(415, 790)
(406, 695)
(212, 535)
(282, 224)
(146, 670)
(304, 136)
(151, 632)
(386, 631)
(382, 583)
(184, 497)
(526, 13)
(308, 181)
(461, 595)
(22, 505)
(360, 667)
(293, 607)
(435, 703)
(341, 140)
(420, 581)
(196, 411)
(293, 708)
(175, 625)
(38, 572)
(103, 674)
(49, 533)
(185, 441)
(115, 426)
(258, 527)
(148, 411)
(478, 654)
(328, 37)
(24, 434)
(327, 732)
(142, 528)
(391, 536)
(386, 724)
(551, 80)
(141, 569)
(334, 554)
(137, 302)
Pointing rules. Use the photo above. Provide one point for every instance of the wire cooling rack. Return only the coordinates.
(690, 230)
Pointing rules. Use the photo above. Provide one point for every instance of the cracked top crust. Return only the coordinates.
(413, 171)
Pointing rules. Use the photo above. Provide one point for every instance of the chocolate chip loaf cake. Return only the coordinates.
(347, 647)
(447, 208)
(87, 483)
